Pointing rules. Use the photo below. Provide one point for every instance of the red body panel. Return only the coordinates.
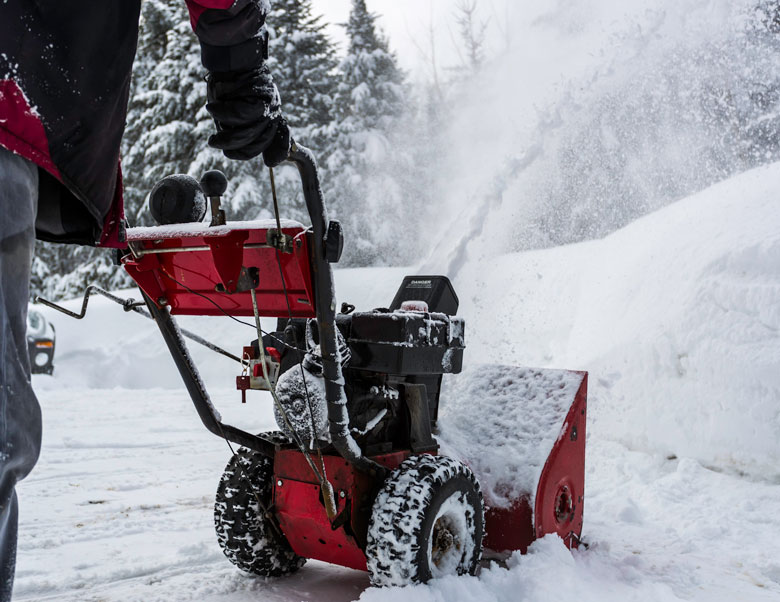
(305, 524)
(560, 495)
(302, 515)
(165, 266)
(509, 528)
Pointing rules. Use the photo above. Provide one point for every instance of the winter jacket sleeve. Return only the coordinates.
(232, 33)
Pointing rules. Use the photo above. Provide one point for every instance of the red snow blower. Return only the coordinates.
(354, 476)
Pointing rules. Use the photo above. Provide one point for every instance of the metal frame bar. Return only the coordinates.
(130, 305)
(194, 384)
(142, 252)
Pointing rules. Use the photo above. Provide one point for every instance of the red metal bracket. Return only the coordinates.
(227, 252)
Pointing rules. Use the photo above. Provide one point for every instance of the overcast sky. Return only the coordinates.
(407, 24)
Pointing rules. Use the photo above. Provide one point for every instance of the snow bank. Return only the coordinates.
(676, 317)
(691, 364)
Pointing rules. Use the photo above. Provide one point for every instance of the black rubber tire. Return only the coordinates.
(413, 508)
(245, 535)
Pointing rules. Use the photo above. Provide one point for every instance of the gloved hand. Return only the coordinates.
(246, 109)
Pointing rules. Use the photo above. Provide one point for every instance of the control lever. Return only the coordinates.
(214, 184)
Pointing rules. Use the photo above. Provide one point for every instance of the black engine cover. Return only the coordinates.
(406, 343)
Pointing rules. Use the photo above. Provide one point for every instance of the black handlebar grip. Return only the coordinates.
(214, 183)
(177, 199)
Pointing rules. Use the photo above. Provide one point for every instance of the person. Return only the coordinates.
(64, 84)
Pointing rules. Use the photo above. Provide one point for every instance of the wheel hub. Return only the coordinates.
(445, 540)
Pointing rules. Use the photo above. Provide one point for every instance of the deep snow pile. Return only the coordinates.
(676, 316)
(677, 319)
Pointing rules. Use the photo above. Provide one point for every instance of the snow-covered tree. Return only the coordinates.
(303, 63)
(371, 93)
(370, 102)
(167, 126)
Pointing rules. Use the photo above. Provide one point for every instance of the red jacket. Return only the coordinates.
(64, 84)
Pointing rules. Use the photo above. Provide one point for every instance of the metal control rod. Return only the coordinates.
(134, 306)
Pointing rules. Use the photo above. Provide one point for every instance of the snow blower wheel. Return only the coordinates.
(427, 522)
(245, 534)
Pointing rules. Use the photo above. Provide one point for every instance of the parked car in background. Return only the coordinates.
(40, 342)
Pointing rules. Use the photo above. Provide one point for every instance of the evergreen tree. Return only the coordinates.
(371, 93)
(303, 62)
(166, 123)
(370, 100)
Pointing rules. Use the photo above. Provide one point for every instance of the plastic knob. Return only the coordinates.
(214, 183)
(177, 199)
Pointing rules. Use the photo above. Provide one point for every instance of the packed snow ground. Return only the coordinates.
(677, 318)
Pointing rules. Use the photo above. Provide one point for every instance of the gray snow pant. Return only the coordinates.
(20, 414)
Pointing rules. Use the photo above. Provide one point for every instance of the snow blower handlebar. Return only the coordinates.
(323, 230)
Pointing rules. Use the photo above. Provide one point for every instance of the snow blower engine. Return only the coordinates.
(353, 476)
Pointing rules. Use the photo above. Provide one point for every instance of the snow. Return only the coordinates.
(676, 317)
(204, 229)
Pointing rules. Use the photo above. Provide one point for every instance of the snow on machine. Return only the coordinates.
(354, 475)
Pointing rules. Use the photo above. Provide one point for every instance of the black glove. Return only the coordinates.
(246, 109)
